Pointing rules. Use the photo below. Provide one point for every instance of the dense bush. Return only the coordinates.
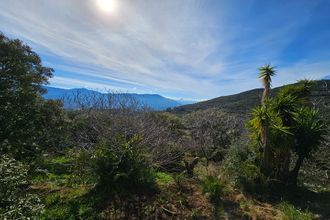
(122, 168)
(212, 131)
(15, 201)
(240, 166)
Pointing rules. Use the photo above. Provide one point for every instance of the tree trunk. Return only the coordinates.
(265, 94)
(294, 173)
(286, 165)
(265, 163)
(265, 166)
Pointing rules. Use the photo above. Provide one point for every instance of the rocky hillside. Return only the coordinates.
(245, 101)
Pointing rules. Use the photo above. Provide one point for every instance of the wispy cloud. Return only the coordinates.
(189, 48)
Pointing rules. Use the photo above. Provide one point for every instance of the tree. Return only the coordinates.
(265, 116)
(24, 117)
(286, 103)
(286, 124)
(309, 133)
(265, 74)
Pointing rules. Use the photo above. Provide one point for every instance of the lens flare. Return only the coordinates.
(107, 5)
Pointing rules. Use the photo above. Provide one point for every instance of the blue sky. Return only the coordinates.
(191, 49)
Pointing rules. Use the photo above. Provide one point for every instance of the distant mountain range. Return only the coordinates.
(154, 101)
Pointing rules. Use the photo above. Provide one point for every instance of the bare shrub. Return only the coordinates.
(104, 118)
(212, 131)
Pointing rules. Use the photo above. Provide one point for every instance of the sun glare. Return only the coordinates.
(107, 5)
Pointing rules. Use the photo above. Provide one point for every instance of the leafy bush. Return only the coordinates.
(249, 171)
(15, 202)
(240, 165)
(214, 188)
(122, 168)
(289, 212)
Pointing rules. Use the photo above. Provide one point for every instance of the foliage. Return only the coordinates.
(122, 168)
(164, 178)
(214, 188)
(15, 201)
(289, 212)
(283, 125)
(70, 204)
(309, 131)
(266, 73)
(27, 122)
(240, 166)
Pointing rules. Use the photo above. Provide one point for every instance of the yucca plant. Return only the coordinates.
(309, 132)
(265, 74)
(278, 135)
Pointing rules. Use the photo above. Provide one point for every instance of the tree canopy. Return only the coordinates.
(25, 117)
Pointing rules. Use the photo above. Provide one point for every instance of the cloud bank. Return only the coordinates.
(188, 48)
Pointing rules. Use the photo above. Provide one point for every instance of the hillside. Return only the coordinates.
(245, 101)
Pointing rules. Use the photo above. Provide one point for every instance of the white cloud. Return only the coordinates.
(177, 48)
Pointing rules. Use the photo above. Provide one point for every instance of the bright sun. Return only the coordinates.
(107, 5)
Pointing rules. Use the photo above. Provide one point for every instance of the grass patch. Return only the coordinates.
(289, 212)
(164, 178)
(68, 203)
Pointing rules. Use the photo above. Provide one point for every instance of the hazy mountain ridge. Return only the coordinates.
(243, 102)
(154, 101)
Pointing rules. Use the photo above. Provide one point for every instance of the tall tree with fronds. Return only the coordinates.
(265, 74)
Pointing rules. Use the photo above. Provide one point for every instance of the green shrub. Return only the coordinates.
(15, 201)
(249, 171)
(122, 168)
(289, 212)
(214, 188)
(240, 166)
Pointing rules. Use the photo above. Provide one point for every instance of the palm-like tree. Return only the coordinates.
(265, 74)
(309, 133)
(284, 105)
